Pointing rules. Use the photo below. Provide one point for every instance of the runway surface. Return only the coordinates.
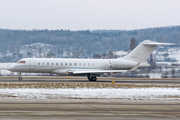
(24, 109)
(136, 81)
(55, 109)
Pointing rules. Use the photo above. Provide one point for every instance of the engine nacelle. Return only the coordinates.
(122, 64)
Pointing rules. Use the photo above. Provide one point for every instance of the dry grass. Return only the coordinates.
(85, 85)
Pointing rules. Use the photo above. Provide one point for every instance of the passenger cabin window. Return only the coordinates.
(52, 63)
(23, 62)
(47, 63)
(84, 64)
(56, 63)
(61, 64)
(65, 63)
(88, 64)
(38, 63)
(79, 64)
(93, 64)
(70, 64)
(74, 64)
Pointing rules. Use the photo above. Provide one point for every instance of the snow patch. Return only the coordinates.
(85, 93)
(121, 53)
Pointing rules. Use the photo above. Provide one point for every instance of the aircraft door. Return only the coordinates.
(32, 65)
(110, 63)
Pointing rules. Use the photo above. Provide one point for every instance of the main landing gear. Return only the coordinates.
(20, 78)
(91, 78)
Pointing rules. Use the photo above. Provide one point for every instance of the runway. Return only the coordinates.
(101, 109)
(100, 80)
(24, 109)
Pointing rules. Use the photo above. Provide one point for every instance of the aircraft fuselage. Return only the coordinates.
(49, 65)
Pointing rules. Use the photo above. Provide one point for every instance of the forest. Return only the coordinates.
(86, 41)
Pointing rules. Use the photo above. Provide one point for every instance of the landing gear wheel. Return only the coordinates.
(92, 78)
(20, 78)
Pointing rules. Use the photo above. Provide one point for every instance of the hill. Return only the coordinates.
(17, 44)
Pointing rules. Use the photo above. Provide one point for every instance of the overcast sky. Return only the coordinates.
(88, 14)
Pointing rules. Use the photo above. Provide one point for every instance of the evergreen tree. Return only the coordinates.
(132, 44)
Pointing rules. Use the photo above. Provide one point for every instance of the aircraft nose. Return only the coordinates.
(11, 67)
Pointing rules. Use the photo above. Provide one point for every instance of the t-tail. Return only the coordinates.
(142, 52)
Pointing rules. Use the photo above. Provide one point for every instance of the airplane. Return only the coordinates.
(91, 68)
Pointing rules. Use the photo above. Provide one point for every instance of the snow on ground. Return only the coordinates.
(175, 55)
(121, 53)
(172, 52)
(90, 93)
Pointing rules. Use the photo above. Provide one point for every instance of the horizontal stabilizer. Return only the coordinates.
(156, 43)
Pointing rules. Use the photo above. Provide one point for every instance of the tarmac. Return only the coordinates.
(46, 109)
(85, 80)
(81, 109)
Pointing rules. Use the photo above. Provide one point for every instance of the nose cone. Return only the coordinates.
(11, 67)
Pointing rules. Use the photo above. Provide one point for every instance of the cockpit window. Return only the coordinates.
(21, 62)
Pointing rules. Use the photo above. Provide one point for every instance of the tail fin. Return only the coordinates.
(143, 51)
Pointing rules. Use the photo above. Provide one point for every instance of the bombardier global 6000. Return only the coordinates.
(91, 68)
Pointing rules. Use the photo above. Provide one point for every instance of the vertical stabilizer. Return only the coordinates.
(142, 52)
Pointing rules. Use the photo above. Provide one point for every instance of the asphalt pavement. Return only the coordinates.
(121, 81)
(48, 109)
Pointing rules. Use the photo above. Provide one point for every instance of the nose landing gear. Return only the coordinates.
(20, 78)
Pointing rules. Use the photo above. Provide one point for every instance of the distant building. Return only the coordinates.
(154, 75)
(152, 57)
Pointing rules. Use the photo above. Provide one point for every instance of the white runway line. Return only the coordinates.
(85, 93)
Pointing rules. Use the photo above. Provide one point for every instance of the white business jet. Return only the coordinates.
(91, 68)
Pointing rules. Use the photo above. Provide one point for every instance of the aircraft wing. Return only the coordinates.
(99, 71)
(82, 71)
(3, 66)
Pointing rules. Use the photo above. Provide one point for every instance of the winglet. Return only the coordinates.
(135, 67)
